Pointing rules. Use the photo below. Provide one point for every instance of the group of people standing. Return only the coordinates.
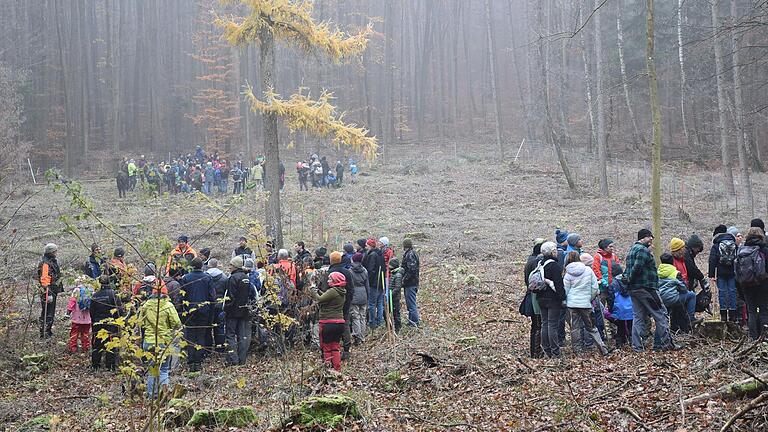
(317, 171)
(567, 285)
(189, 297)
(206, 173)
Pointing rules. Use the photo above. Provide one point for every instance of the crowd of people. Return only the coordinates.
(331, 300)
(602, 300)
(211, 174)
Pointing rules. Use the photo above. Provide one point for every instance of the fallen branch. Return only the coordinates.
(632, 413)
(522, 362)
(500, 320)
(754, 403)
(734, 389)
(429, 421)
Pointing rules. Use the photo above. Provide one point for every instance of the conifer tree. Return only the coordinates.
(291, 22)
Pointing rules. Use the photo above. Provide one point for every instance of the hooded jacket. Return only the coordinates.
(198, 298)
(360, 284)
(218, 284)
(670, 286)
(715, 268)
(580, 284)
(331, 302)
(105, 304)
(158, 319)
(348, 287)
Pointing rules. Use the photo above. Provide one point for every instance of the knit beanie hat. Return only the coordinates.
(720, 229)
(758, 223)
(348, 248)
(538, 241)
(336, 279)
(587, 259)
(336, 257)
(150, 269)
(371, 242)
(361, 243)
(119, 252)
(695, 242)
(573, 239)
(394, 263)
(321, 251)
(561, 236)
(407, 244)
(50, 248)
(196, 263)
(643, 233)
(237, 262)
(733, 231)
(604, 243)
(358, 257)
(384, 241)
(676, 244)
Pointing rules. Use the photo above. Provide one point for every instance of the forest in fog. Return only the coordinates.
(85, 81)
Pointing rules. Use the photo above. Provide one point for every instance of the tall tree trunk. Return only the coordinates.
(550, 133)
(602, 148)
(494, 78)
(389, 77)
(587, 83)
(524, 93)
(271, 145)
(656, 148)
(689, 139)
(741, 134)
(721, 108)
(69, 158)
(637, 136)
(563, 87)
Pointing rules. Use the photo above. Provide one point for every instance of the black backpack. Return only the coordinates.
(727, 252)
(750, 266)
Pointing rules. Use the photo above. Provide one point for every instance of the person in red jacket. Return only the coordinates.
(605, 259)
(285, 264)
(386, 251)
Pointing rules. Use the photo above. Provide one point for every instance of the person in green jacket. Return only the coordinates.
(331, 317)
(159, 321)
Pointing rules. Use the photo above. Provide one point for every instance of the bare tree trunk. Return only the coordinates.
(689, 140)
(602, 148)
(741, 134)
(724, 150)
(637, 136)
(563, 87)
(389, 63)
(271, 145)
(656, 116)
(587, 84)
(550, 133)
(494, 78)
(524, 93)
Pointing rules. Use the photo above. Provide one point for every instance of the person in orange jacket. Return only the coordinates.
(602, 266)
(181, 256)
(49, 276)
(285, 264)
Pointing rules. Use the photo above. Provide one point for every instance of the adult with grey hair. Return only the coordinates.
(551, 300)
(49, 276)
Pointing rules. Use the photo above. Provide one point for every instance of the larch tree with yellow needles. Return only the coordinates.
(291, 22)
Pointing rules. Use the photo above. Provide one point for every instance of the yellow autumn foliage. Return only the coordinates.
(316, 116)
(291, 21)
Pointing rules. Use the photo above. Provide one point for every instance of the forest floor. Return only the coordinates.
(475, 220)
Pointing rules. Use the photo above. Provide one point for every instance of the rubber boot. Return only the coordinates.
(723, 315)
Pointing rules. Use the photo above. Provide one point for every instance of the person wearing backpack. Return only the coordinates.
(105, 306)
(78, 308)
(722, 257)
(530, 306)
(752, 277)
(550, 293)
(675, 295)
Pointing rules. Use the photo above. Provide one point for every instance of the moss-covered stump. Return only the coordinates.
(324, 411)
(229, 417)
(719, 330)
(179, 412)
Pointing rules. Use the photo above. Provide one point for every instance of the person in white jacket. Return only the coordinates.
(581, 288)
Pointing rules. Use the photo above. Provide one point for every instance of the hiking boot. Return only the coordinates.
(345, 355)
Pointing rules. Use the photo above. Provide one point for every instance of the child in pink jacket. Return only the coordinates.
(79, 309)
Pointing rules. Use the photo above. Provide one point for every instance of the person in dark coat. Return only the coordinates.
(238, 321)
(722, 258)
(411, 269)
(373, 261)
(551, 300)
(198, 300)
(529, 306)
(96, 262)
(337, 265)
(105, 306)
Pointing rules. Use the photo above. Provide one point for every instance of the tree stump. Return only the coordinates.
(719, 330)
(323, 412)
